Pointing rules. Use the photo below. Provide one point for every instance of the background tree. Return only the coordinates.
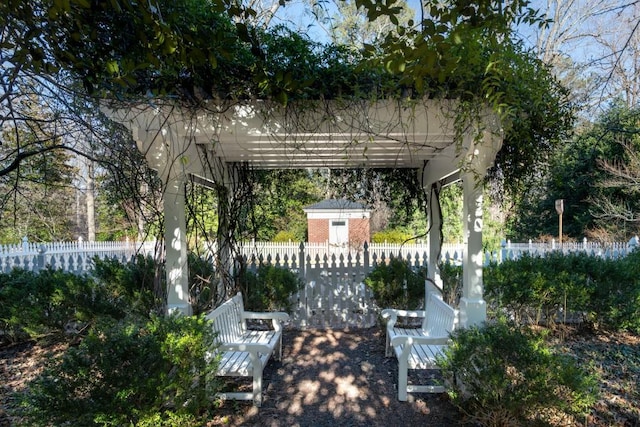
(587, 175)
(617, 211)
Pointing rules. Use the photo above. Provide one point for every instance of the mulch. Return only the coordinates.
(336, 378)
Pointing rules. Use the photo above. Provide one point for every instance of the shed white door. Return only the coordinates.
(339, 233)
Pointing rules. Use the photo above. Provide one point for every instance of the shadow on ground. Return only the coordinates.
(336, 378)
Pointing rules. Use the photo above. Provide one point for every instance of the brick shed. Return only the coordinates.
(339, 222)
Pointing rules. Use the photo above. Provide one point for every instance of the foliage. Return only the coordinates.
(451, 276)
(134, 284)
(204, 286)
(471, 54)
(534, 289)
(278, 199)
(129, 192)
(615, 303)
(36, 304)
(285, 236)
(53, 301)
(349, 25)
(576, 175)
(269, 288)
(396, 285)
(36, 199)
(501, 374)
(391, 236)
(128, 371)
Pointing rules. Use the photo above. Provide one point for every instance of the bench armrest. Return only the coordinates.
(410, 340)
(248, 347)
(393, 314)
(276, 317)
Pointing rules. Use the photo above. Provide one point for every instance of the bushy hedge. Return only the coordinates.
(502, 374)
(556, 287)
(396, 285)
(269, 288)
(138, 284)
(451, 275)
(128, 365)
(37, 304)
(205, 291)
(128, 372)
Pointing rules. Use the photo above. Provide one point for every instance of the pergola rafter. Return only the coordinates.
(181, 143)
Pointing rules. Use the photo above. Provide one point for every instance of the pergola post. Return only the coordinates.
(223, 178)
(434, 238)
(473, 308)
(177, 270)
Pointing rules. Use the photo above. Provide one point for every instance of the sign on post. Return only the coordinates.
(560, 210)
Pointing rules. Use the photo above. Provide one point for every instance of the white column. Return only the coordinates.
(176, 246)
(473, 308)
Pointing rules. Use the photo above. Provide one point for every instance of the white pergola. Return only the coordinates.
(183, 143)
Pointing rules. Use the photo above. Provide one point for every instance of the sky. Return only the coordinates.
(297, 15)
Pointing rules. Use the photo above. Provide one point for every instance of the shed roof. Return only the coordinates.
(335, 204)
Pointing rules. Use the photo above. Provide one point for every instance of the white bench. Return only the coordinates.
(244, 352)
(418, 348)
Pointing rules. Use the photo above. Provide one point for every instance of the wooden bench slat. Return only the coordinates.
(244, 352)
(419, 348)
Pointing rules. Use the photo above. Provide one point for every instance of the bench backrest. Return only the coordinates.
(228, 320)
(440, 317)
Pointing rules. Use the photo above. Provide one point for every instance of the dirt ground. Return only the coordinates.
(341, 378)
(325, 378)
(336, 378)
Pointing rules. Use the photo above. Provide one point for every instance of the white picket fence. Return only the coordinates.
(334, 295)
(613, 250)
(75, 257)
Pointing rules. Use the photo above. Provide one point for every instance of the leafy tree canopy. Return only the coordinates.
(194, 50)
(594, 173)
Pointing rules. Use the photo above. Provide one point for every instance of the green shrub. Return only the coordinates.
(396, 285)
(500, 374)
(269, 288)
(285, 236)
(125, 372)
(139, 284)
(203, 284)
(390, 236)
(615, 303)
(35, 304)
(533, 289)
(451, 276)
(23, 306)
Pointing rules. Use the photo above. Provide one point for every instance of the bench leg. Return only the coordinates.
(387, 348)
(257, 387)
(278, 349)
(403, 370)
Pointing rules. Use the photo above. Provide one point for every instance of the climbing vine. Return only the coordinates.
(205, 58)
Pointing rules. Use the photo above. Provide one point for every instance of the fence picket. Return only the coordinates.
(333, 294)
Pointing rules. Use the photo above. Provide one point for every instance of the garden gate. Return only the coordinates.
(334, 294)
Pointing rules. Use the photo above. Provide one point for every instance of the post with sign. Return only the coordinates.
(560, 210)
